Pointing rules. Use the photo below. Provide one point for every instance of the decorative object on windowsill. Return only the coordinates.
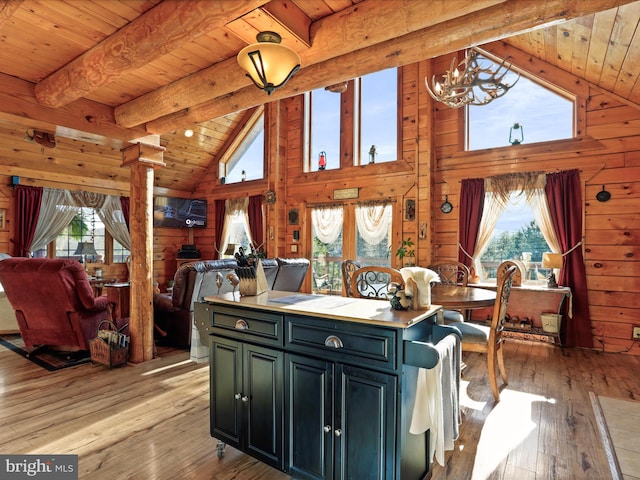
(552, 261)
(322, 160)
(603, 195)
(337, 87)
(398, 297)
(270, 197)
(446, 206)
(406, 250)
(268, 63)
(474, 85)
(518, 137)
(243, 176)
(372, 155)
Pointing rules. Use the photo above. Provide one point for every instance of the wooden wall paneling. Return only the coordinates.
(606, 156)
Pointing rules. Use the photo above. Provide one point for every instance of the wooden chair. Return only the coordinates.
(374, 281)
(520, 271)
(488, 339)
(348, 267)
(452, 273)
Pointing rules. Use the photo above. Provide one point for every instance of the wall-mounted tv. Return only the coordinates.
(179, 212)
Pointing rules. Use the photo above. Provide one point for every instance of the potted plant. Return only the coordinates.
(406, 250)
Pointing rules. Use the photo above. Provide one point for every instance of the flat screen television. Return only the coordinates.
(179, 212)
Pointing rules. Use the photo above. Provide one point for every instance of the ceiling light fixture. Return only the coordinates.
(188, 133)
(267, 63)
(470, 83)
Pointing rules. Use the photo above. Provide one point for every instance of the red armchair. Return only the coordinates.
(53, 301)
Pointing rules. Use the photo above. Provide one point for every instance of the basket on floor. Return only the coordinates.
(110, 347)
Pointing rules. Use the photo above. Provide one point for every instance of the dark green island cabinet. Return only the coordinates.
(317, 386)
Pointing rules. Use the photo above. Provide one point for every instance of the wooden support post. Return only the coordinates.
(142, 158)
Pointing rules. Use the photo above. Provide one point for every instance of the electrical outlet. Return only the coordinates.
(636, 332)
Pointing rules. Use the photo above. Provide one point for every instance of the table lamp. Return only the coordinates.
(552, 261)
(84, 249)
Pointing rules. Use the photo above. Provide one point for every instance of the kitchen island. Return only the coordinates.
(321, 387)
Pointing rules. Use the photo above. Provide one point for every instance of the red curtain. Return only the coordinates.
(256, 220)
(124, 205)
(27, 211)
(220, 209)
(471, 208)
(564, 196)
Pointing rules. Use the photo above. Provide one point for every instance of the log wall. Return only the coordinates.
(607, 154)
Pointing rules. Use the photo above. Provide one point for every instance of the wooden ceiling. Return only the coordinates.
(100, 73)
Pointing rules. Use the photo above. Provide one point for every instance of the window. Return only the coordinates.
(323, 107)
(367, 241)
(516, 236)
(348, 123)
(379, 116)
(247, 161)
(543, 113)
(87, 227)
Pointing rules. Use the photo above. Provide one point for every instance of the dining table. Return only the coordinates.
(461, 297)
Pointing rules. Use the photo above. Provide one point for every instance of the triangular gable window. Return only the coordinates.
(541, 111)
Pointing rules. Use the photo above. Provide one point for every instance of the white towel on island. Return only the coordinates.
(419, 278)
(437, 405)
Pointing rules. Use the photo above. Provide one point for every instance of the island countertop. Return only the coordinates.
(360, 310)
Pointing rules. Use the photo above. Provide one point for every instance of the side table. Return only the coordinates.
(118, 296)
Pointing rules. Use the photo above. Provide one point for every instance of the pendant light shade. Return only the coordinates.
(267, 63)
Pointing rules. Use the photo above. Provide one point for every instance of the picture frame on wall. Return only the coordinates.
(293, 216)
(3, 219)
(410, 209)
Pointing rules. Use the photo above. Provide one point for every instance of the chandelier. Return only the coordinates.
(470, 83)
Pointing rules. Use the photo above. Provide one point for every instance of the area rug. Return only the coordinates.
(619, 423)
(48, 359)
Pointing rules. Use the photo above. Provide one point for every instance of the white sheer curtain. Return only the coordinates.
(56, 212)
(238, 208)
(538, 202)
(373, 221)
(113, 218)
(326, 223)
(493, 208)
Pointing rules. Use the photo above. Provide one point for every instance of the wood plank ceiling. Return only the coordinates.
(99, 73)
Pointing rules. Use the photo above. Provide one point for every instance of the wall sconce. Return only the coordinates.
(516, 134)
(372, 154)
(267, 63)
(553, 261)
(322, 160)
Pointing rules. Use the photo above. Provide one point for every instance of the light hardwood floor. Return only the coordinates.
(151, 421)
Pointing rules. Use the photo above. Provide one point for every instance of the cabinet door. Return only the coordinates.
(365, 406)
(310, 417)
(226, 389)
(262, 399)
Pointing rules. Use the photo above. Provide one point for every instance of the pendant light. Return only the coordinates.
(268, 63)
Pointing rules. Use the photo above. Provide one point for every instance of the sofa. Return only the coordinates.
(173, 313)
(53, 302)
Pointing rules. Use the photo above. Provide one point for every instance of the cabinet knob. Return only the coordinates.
(327, 428)
(245, 398)
(333, 341)
(337, 432)
(242, 325)
(237, 396)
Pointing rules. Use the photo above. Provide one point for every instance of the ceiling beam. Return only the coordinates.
(159, 31)
(17, 99)
(476, 28)
(362, 25)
